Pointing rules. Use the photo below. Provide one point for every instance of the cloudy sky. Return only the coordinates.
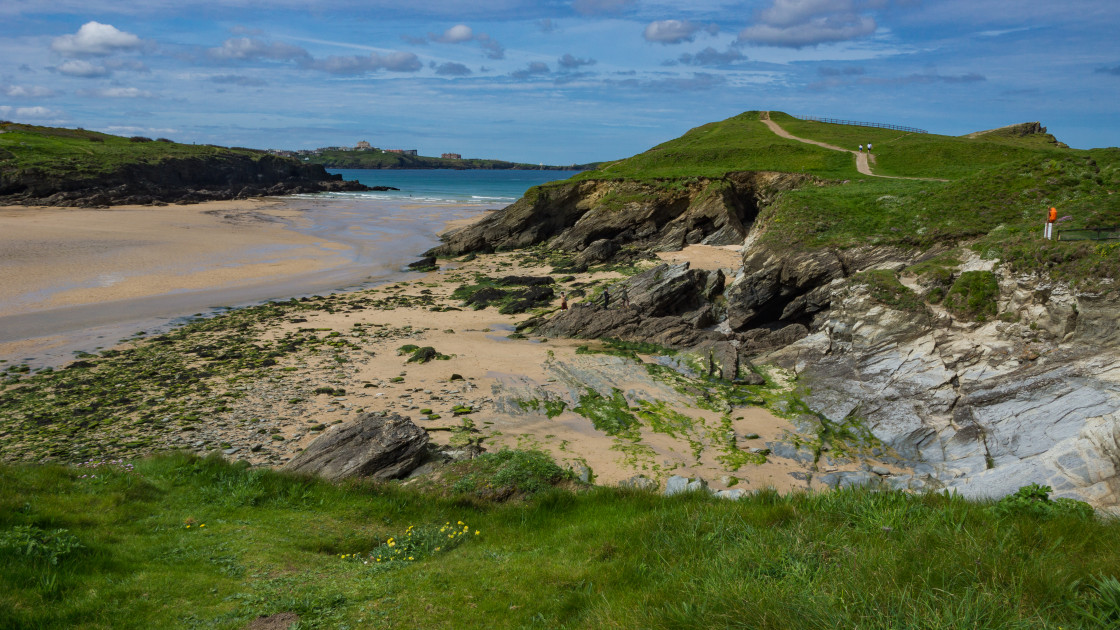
(554, 81)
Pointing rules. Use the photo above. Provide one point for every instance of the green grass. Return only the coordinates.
(740, 143)
(907, 154)
(76, 153)
(886, 289)
(127, 549)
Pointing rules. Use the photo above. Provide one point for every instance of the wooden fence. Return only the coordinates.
(837, 121)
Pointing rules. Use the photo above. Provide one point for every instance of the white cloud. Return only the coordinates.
(25, 113)
(799, 23)
(670, 31)
(249, 48)
(29, 91)
(461, 33)
(456, 35)
(82, 68)
(117, 92)
(95, 38)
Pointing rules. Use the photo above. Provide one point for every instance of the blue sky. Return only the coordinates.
(553, 81)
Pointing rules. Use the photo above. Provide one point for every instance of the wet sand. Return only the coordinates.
(76, 279)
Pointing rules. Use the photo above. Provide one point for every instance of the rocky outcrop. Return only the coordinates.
(372, 446)
(605, 215)
(179, 180)
(981, 409)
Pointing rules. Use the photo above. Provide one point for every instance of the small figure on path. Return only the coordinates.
(1050, 219)
(861, 148)
(606, 298)
(869, 148)
(564, 301)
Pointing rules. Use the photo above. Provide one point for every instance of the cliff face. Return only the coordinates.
(170, 180)
(979, 408)
(652, 216)
(980, 405)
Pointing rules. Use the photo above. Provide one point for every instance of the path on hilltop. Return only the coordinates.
(862, 163)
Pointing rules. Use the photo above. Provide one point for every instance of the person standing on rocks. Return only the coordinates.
(624, 298)
(564, 301)
(606, 298)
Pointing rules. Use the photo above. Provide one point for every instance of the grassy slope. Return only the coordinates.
(923, 155)
(740, 143)
(600, 558)
(76, 152)
(998, 190)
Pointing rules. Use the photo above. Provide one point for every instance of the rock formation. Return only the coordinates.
(371, 446)
(177, 180)
(604, 215)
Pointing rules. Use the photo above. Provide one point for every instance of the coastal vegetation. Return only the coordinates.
(68, 152)
(187, 542)
(56, 166)
(102, 534)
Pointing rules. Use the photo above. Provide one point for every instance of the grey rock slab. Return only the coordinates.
(369, 446)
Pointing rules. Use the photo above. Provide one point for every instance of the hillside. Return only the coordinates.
(377, 159)
(993, 180)
(911, 292)
(75, 167)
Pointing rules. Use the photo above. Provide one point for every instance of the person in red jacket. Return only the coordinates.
(1050, 219)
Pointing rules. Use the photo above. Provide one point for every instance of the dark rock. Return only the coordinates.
(598, 251)
(371, 446)
(525, 281)
(427, 263)
(177, 180)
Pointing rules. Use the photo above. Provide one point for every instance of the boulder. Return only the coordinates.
(371, 446)
(427, 263)
(598, 251)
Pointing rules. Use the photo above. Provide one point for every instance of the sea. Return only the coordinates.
(446, 186)
(378, 233)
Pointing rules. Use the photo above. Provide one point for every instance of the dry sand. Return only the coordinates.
(55, 257)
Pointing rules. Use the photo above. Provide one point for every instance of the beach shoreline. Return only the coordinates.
(265, 381)
(70, 276)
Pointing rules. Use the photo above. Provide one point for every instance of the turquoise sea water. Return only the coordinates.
(442, 186)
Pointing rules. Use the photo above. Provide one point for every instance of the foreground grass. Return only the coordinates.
(182, 542)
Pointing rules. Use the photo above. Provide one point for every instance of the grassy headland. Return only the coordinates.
(72, 153)
(999, 186)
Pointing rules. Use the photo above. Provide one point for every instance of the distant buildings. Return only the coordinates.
(362, 146)
(402, 151)
(451, 156)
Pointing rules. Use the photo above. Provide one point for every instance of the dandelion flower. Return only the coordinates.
(202, 525)
(476, 532)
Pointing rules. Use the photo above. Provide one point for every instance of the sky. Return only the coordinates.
(552, 81)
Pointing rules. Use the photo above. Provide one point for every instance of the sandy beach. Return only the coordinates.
(66, 273)
(353, 358)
